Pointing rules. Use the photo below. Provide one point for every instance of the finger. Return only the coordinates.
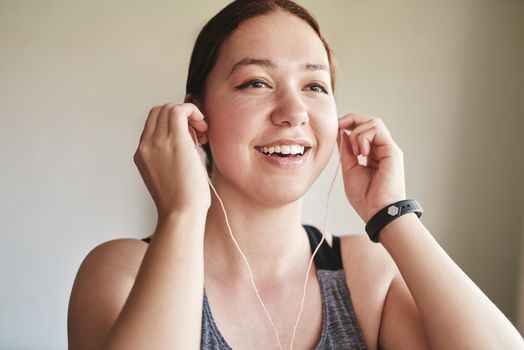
(348, 159)
(150, 123)
(184, 117)
(346, 122)
(378, 141)
(161, 128)
(371, 161)
(352, 120)
(198, 131)
(355, 134)
(365, 139)
(197, 121)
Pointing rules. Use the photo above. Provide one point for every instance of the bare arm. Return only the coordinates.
(453, 310)
(109, 309)
(162, 308)
(430, 290)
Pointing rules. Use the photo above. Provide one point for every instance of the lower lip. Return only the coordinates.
(292, 162)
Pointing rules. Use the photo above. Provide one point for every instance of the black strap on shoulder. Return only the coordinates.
(327, 257)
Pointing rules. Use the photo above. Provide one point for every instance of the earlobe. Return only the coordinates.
(202, 138)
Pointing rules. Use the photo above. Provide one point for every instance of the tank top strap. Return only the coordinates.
(328, 257)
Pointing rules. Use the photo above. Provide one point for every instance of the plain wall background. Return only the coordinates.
(78, 78)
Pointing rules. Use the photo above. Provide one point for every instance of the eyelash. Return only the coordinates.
(252, 83)
(322, 87)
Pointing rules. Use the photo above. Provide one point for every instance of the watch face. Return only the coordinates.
(393, 210)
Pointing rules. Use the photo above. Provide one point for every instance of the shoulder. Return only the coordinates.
(370, 271)
(120, 258)
(101, 286)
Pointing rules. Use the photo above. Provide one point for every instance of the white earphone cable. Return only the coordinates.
(197, 144)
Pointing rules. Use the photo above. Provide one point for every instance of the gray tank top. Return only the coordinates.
(340, 328)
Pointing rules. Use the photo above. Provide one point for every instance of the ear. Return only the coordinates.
(202, 137)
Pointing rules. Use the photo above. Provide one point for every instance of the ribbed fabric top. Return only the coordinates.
(340, 328)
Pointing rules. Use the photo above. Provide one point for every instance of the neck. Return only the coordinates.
(272, 238)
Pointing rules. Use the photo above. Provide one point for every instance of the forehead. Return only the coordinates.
(282, 37)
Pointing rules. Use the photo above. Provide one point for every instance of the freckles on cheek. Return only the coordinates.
(247, 106)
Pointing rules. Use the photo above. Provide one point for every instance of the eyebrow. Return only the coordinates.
(263, 62)
(314, 67)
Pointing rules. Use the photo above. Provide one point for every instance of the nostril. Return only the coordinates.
(290, 121)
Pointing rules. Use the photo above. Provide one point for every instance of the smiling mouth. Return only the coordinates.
(283, 151)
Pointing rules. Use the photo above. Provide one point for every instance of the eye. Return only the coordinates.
(317, 87)
(254, 84)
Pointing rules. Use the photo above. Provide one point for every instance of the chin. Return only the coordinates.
(276, 195)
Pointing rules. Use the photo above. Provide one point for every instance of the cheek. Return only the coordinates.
(231, 123)
(327, 125)
(232, 117)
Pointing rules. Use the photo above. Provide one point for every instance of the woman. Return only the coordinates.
(260, 98)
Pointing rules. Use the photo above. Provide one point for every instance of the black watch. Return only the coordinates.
(390, 213)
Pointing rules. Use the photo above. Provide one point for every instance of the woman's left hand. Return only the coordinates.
(370, 187)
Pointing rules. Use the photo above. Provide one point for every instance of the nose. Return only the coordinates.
(290, 110)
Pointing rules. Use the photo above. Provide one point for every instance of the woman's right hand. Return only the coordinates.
(169, 162)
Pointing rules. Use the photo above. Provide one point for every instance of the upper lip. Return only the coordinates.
(289, 142)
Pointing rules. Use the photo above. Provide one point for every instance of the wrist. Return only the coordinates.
(195, 217)
(194, 212)
(405, 223)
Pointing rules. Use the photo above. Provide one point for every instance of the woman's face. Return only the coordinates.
(270, 108)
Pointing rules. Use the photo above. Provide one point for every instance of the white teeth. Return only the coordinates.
(284, 149)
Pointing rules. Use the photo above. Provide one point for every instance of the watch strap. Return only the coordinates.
(390, 213)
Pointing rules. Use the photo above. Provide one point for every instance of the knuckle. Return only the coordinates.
(167, 107)
(176, 109)
(397, 150)
(137, 157)
(142, 150)
(153, 111)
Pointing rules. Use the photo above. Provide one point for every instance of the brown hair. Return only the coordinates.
(219, 27)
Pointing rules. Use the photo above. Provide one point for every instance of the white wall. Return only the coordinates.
(77, 80)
